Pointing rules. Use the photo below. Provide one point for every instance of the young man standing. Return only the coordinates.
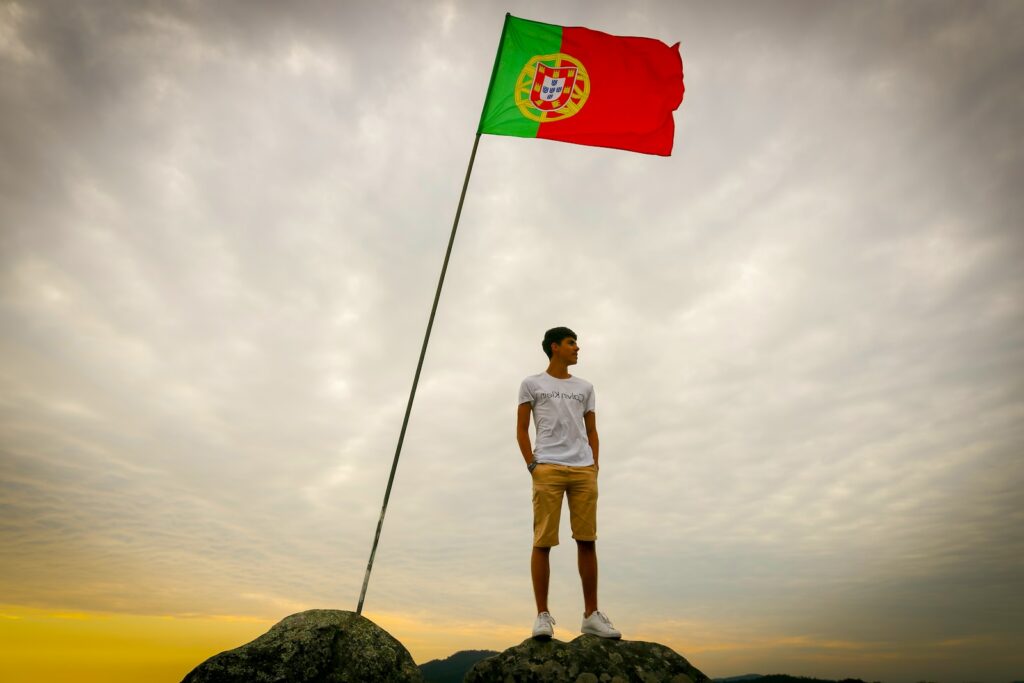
(564, 461)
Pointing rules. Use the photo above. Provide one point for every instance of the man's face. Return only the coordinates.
(566, 351)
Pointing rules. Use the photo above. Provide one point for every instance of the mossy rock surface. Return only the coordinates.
(315, 646)
(587, 659)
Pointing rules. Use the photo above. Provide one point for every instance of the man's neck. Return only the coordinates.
(558, 370)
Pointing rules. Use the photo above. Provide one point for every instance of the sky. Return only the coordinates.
(221, 227)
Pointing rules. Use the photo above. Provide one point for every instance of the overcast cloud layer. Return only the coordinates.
(222, 224)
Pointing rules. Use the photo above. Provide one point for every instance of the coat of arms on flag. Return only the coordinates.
(552, 87)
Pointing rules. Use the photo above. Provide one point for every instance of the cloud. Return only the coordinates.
(222, 227)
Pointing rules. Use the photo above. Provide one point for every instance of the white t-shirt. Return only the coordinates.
(558, 409)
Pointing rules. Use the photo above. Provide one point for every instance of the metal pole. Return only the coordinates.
(416, 378)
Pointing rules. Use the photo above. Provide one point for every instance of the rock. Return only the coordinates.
(587, 659)
(319, 645)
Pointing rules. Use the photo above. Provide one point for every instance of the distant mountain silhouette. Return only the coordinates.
(454, 668)
(781, 678)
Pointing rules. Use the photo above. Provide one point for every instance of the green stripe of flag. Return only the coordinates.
(521, 40)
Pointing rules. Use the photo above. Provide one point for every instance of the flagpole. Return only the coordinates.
(416, 377)
(430, 324)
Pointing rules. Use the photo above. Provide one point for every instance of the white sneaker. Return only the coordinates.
(599, 624)
(543, 626)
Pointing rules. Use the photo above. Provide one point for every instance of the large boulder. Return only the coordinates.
(587, 659)
(319, 645)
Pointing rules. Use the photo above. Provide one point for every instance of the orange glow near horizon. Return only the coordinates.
(57, 646)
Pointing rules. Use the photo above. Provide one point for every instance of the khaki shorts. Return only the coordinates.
(579, 484)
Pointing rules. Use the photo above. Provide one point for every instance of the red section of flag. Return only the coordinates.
(635, 85)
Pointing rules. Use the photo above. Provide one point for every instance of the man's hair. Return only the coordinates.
(555, 336)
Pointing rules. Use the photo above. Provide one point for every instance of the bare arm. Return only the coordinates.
(590, 422)
(523, 431)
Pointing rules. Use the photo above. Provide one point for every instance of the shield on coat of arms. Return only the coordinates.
(552, 86)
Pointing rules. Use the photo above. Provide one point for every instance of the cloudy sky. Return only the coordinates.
(221, 226)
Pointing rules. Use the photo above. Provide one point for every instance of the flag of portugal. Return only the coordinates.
(573, 84)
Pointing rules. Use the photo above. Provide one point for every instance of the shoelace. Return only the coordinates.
(549, 617)
(603, 617)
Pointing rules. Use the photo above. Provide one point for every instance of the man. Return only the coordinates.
(565, 461)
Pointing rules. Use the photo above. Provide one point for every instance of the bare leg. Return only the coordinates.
(586, 558)
(540, 570)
